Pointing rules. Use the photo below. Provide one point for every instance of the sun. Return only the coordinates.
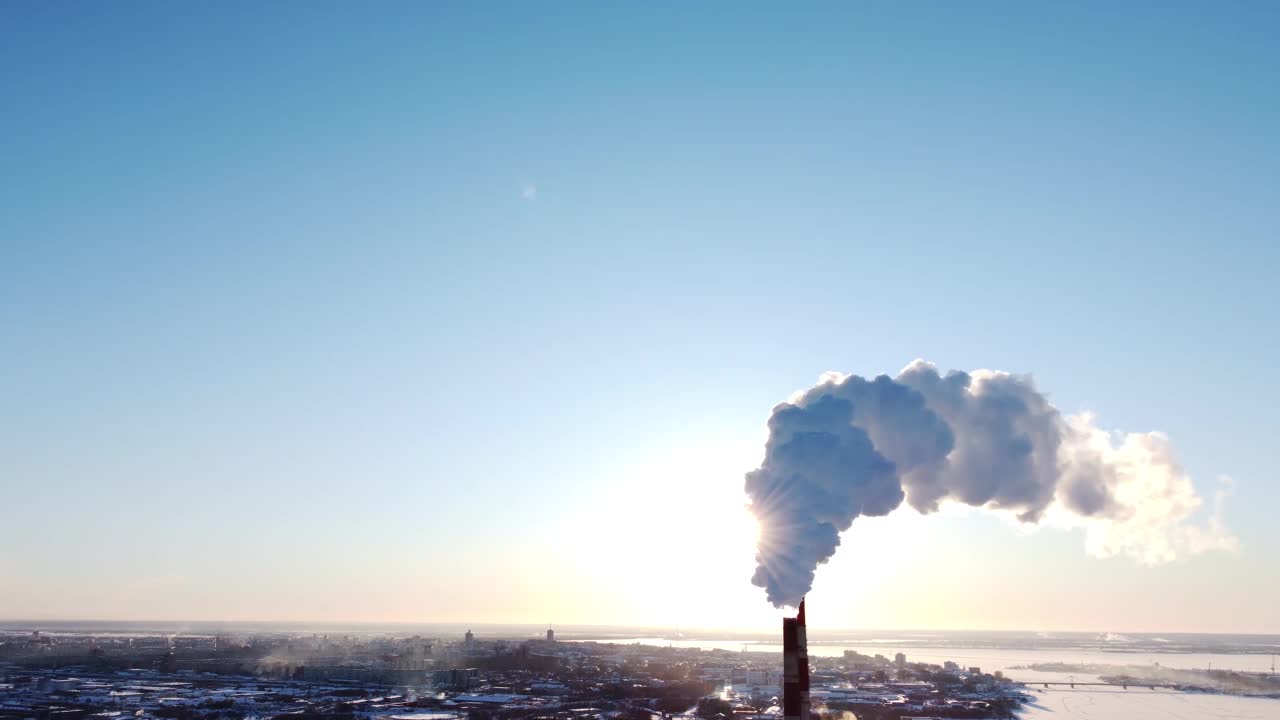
(677, 530)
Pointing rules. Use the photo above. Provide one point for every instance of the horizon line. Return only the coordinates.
(9, 623)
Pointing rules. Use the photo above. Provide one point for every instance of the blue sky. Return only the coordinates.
(346, 304)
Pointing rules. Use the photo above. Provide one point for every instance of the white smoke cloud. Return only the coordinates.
(849, 447)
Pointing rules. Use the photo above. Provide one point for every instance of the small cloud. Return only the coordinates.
(529, 191)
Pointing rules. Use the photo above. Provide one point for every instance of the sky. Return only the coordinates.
(476, 312)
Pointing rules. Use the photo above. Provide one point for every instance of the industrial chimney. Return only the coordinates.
(795, 668)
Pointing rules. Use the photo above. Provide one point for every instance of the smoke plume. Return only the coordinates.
(850, 447)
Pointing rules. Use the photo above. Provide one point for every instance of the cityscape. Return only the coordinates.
(74, 674)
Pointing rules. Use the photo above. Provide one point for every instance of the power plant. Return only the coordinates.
(795, 667)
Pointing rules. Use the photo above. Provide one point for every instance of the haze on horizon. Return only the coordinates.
(458, 313)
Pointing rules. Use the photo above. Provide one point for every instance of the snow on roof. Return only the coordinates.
(498, 699)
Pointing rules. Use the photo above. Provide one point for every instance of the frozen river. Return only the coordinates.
(991, 659)
(1107, 704)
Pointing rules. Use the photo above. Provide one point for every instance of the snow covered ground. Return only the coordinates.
(1108, 704)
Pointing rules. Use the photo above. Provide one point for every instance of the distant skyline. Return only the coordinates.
(475, 313)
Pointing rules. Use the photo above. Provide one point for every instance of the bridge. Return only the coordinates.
(1149, 686)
